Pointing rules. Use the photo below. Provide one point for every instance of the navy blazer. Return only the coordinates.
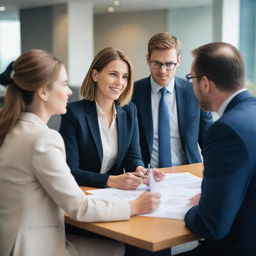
(80, 130)
(193, 123)
(225, 216)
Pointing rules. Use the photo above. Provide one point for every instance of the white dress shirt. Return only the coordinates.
(177, 152)
(109, 139)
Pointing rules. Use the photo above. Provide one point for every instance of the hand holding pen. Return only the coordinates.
(143, 173)
(127, 180)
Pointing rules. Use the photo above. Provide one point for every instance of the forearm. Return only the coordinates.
(89, 178)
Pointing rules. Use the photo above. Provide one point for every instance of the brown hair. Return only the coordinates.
(88, 88)
(34, 69)
(164, 41)
(222, 63)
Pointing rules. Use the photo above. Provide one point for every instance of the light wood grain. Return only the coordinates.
(146, 232)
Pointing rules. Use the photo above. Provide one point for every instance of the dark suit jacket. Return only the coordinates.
(81, 134)
(193, 123)
(226, 214)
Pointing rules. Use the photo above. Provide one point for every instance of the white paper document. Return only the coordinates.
(176, 189)
(153, 186)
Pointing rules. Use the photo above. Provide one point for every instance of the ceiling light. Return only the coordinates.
(2, 8)
(116, 3)
(111, 9)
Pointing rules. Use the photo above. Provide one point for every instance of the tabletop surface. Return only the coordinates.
(146, 232)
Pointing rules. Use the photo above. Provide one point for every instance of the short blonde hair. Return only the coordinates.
(164, 41)
(105, 56)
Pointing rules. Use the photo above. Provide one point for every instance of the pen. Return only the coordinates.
(148, 174)
(148, 169)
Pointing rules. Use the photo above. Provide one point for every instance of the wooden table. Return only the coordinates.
(149, 233)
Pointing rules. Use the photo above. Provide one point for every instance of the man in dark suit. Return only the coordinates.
(225, 213)
(186, 125)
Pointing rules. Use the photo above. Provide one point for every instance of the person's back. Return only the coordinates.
(26, 208)
(225, 212)
(240, 240)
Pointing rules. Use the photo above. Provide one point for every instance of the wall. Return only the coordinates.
(47, 28)
(36, 28)
(80, 40)
(60, 32)
(129, 32)
(194, 27)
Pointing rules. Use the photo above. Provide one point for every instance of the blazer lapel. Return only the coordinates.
(121, 131)
(181, 100)
(146, 113)
(92, 119)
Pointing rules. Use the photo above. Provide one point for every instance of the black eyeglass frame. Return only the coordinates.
(189, 77)
(160, 64)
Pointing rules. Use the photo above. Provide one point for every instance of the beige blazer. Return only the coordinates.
(36, 188)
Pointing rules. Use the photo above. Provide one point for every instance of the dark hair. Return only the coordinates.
(164, 41)
(105, 56)
(220, 62)
(5, 77)
(34, 69)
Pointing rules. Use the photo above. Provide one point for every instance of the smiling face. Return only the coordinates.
(111, 81)
(161, 75)
(57, 95)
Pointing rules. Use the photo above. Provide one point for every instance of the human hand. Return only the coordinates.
(145, 203)
(157, 174)
(141, 171)
(127, 181)
(195, 199)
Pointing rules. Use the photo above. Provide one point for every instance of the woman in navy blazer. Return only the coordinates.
(107, 90)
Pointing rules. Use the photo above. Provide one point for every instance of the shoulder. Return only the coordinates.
(141, 88)
(48, 138)
(183, 84)
(129, 109)
(78, 108)
(142, 81)
(77, 105)
(139, 84)
(185, 88)
(240, 115)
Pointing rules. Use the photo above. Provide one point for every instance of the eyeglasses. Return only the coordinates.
(167, 65)
(189, 77)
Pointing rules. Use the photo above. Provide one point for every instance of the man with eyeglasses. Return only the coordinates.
(225, 213)
(171, 123)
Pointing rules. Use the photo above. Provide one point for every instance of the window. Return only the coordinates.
(248, 41)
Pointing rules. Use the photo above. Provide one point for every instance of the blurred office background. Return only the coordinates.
(74, 30)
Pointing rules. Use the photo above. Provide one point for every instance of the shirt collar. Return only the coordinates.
(155, 87)
(227, 101)
(102, 114)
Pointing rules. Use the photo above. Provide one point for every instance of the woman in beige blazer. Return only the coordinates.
(36, 186)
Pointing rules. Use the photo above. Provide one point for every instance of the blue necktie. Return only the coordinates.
(164, 144)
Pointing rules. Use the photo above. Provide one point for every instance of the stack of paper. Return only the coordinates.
(176, 189)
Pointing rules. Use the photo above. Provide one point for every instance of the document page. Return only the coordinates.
(176, 189)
